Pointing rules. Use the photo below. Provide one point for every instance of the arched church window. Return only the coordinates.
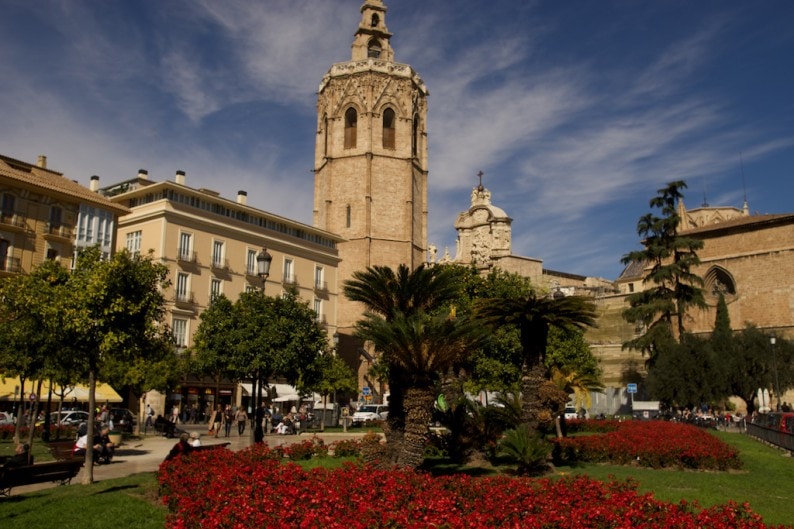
(719, 281)
(351, 121)
(375, 20)
(388, 129)
(347, 216)
(374, 49)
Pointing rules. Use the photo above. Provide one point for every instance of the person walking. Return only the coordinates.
(242, 417)
(228, 419)
(215, 421)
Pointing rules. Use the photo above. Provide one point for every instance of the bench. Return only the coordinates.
(61, 472)
(61, 450)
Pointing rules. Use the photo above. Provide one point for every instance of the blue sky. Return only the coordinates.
(577, 111)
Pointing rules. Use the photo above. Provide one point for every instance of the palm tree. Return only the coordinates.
(533, 315)
(387, 293)
(423, 347)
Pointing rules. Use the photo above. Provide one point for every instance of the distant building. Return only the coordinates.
(44, 215)
(210, 245)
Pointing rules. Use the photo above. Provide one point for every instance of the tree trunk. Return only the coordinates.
(418, 412)
(530, 396)
(88, 475)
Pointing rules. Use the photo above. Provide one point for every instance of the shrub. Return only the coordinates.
(346, 448)
(527, 449)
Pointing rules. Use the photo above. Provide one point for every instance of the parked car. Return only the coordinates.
(6, 418)
(123, 420)
(370, 413)
(68, 417)
(570, 413)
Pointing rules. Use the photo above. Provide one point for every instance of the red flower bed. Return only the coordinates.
(654, 444)
(252, 489)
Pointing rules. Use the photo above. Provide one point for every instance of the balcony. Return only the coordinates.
(184, 255)
(321, 286)
(321, 319)
(184, 299)
(60, 231)
(11, 265)
(14, 221)
(220, 265)
(289, 279)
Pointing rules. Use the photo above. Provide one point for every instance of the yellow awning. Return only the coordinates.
(9, 391)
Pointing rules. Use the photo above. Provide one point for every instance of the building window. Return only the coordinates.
(185, 246)
(318, 277)
(182, 287)
(52, 254)
(415, 136)
(347, 216)
(325, 135)
(318, 309)
(288, 271)
(7, 208)
(374, 49)
(4, 246)
(351, 122)
(215, 289)
(56, 215)
(250, 263)
(375, 20)
(217, 254)
(134, 242)
(180, 332)
(388, 129)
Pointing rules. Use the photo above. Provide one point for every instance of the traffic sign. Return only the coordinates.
(631, 388)
(365, 391)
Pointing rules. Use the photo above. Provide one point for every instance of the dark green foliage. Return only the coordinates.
(526, 449)
(673, 288)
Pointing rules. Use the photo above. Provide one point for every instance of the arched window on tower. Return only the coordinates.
(351, 121)
(347, 216)
(388, 129)
(375, 20)
(374, 49)
(415, 136)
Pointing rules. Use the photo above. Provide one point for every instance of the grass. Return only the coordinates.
(764, 482)
(124, 502)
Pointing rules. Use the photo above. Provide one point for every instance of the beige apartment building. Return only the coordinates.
(44, 215)
(210, 245)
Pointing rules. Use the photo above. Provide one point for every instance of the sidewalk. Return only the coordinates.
(145, 454)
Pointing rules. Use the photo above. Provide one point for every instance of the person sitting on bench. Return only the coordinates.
(21, 456)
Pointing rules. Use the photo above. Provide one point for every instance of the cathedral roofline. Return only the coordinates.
(394, 69)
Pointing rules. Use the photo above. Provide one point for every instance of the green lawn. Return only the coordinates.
(765, 483)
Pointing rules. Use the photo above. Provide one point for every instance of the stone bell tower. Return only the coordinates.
(370, 163)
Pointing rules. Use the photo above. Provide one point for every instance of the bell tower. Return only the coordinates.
(370, 163)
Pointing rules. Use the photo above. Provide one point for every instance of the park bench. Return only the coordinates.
(61, 472)
(61, 450)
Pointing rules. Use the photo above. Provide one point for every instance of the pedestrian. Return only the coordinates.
(242, 418)
(228, 419)
(195, 440)
(149, 418)
(182, 447)
(215, 421)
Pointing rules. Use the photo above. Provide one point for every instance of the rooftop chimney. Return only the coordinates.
(242, 197)
(94, 186)
(143, 173)
(180, 178)
(42, 161)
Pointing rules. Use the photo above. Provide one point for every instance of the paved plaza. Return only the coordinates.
(144, 454)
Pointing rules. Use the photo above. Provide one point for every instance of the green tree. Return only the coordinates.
(424, 347)
(533, 315)
(113, 313)
(259, 338)
(754, 366)
(669, 258)
(31, 344)
(334, 376)
(387, 293)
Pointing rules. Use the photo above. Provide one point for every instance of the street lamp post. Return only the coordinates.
(772, 342)
(263, 261)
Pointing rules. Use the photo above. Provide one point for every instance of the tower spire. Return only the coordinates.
(371, 40)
